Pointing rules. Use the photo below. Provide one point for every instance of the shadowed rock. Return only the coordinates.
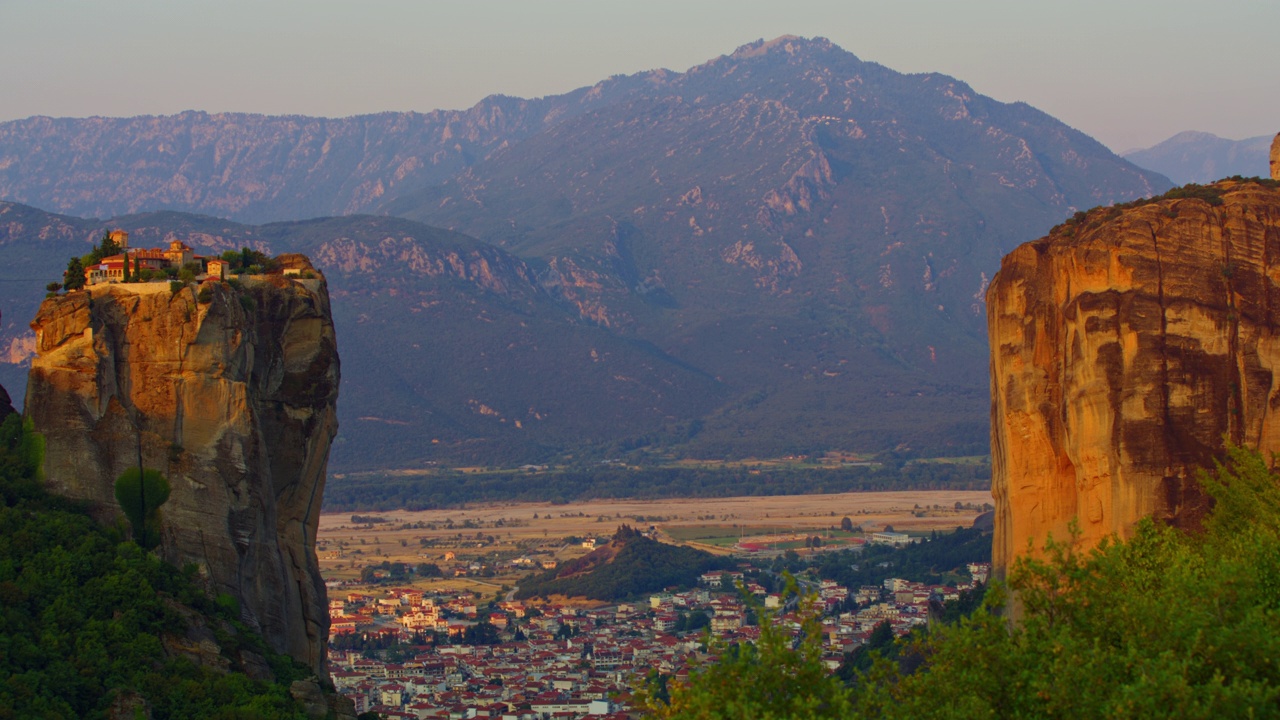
(6, 405)
(231, 393)
(1125, 350)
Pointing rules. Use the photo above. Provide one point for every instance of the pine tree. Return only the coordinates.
(73, 278)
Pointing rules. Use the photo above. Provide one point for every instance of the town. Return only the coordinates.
(405, 652)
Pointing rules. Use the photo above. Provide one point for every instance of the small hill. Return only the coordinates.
(629, 565)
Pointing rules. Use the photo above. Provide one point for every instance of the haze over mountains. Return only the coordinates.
(782, 250)
(1201, 157)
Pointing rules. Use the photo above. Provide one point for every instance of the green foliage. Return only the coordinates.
(779, 676)
(106, 248)
(935, 560)
(376, 491)
(73, 277)
(140, 494)
(83, 619)
(1211, 194)
(482, 633)
(1164, 625)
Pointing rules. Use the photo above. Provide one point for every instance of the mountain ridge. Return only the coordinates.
(781, 251)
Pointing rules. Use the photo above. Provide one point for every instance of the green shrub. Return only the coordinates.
(140, 494)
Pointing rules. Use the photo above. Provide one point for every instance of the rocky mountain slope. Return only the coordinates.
(230, 392)
(1200, 157)
(1128, 346)
(257, 168)
(784, 215)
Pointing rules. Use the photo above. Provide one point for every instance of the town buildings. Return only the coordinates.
(571, 663)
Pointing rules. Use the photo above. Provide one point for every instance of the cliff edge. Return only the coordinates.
(1126, 348)
(230, 390)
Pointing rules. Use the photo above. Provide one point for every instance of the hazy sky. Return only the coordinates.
(1128, 72)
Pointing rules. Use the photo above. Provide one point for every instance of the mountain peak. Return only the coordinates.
(789, 44)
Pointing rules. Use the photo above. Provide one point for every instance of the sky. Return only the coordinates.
(1130, 73)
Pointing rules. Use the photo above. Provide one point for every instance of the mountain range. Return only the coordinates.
(1201, 157)
(784, 250)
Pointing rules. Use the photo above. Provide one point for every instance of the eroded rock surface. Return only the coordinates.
(1275, 158)
(1126, 348)
(231, 393)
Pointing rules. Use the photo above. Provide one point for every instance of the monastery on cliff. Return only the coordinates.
(111, 269)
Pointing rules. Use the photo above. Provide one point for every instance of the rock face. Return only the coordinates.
(229, 391)
(1275, 158)
(1125, 348)
(6, 405)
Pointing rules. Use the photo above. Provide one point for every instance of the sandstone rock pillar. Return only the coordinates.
(1125, 349)
(1275, 158)
(233, 393)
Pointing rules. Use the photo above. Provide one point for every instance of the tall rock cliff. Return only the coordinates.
(231, 392)
(1275, 158)
(1126, 347)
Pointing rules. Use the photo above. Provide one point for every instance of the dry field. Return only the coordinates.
(487, 530)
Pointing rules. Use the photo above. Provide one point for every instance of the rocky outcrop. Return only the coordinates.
(1275, 158)
(1126, 348)
(230, 391)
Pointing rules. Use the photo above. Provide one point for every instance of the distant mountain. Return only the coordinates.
(782, 251)
(257, 168)
(1200, 157)
(815, 230)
